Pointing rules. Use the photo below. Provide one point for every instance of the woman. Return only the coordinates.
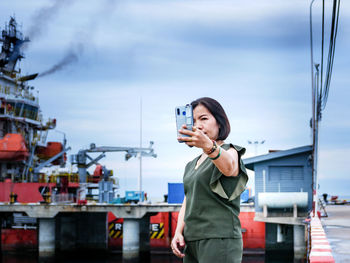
(208, 226)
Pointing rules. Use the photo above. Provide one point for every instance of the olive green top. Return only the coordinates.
(213, 199)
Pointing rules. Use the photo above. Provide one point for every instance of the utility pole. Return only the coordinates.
(320, 90)
(315, 121)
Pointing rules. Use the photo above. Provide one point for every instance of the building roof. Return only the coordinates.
(249, 162)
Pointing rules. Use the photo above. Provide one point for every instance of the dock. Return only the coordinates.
(135, 211)
(337, 228)
(61, 224)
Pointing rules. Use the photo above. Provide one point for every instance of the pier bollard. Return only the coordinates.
(131, 238)
(47, 230)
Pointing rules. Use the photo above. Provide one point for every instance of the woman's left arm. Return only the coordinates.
(226, 161)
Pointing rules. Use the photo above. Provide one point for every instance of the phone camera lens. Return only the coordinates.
(178, 111)
(184, 113)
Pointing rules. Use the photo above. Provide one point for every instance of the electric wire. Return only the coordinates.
(331, 51)
(323, 87)
(324, 94)
(322, 48)
(320, 91)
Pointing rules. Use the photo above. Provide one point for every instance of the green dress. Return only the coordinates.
(213, 200)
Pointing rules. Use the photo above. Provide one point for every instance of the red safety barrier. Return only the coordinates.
(321, 251)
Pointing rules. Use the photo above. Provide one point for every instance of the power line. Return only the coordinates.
(320, 88)
(325, 85)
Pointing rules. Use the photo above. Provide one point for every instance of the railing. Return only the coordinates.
(321, 250)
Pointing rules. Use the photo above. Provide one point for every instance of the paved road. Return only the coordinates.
(337, 228)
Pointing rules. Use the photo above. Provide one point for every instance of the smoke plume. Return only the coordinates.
(70, 57)
(82, 38)
(43, 16)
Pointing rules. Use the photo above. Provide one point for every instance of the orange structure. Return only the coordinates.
(51, 149)
(13, 147)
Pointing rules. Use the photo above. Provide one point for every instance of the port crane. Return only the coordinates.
(82, 158)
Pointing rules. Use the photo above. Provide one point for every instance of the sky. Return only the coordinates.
(251, 56)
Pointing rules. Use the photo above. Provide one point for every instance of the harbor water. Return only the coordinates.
(155, 257)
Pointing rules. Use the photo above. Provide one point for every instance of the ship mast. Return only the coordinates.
(10, 52)
(22, 129)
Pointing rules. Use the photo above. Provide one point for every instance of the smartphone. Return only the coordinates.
(184, 115)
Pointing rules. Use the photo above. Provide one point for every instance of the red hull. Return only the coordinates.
(26, 192)
(19, 239)
(253, 232)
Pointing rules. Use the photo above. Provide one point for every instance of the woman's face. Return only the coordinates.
(206, 122)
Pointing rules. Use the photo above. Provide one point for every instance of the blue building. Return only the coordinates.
(283, 196)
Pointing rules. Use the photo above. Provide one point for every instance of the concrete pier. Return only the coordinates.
(337, 229)
(119, 210)
(136, 238)
(131, 238)
(71, 226)
(299, 241)
(47, 236)
(280, 236)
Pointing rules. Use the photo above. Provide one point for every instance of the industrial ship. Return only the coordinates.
(25, 152)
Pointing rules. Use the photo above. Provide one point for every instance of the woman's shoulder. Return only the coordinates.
(241, 150)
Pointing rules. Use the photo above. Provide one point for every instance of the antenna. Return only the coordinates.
(140, 175)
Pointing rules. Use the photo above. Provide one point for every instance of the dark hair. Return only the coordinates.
(219, 114)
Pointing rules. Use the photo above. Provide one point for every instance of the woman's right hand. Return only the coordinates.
(177, 245)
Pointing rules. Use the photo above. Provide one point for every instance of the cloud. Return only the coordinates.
(334, 187)
(42, 17)
(337, 169)
(253, 57)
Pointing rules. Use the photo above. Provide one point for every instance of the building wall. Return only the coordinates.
(295, 175)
